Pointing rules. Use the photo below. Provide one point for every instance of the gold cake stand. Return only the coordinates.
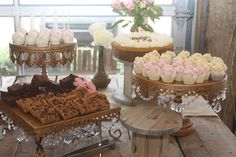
(127, 55)
(212, 91)
(42, 56)
(38, 131)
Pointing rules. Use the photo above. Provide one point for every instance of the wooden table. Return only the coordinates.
(211, 138)
(151, 126)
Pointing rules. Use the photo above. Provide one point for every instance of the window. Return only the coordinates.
(64, 2)
(6, 2)
(7, 28)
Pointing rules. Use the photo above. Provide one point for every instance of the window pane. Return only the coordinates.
(164, 2)
(6, 31)
(163, 25)
(6, 2)
(64, 2)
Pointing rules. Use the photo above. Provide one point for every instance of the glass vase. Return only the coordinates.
(101, 79)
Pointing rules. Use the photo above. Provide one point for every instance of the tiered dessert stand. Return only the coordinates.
(127, 56)
(172, 93)
(39, 131)
(42, 56)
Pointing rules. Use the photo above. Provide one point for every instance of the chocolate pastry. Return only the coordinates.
(40, 81)
(54, 87)
(67, 82)
(16, 89)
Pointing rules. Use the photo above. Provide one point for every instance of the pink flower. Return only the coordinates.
(81, 82)
(116, 4)
(130, 4)
(91, 87)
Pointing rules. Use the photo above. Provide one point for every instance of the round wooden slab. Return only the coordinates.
(151, 120)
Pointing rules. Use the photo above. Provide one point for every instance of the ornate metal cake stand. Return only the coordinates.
(127, 55)
(172, 93)
(42, 56)
(38, 131)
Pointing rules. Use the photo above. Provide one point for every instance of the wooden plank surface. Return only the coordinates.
(151, 120)
(211, 139)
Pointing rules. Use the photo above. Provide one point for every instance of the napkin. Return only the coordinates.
(199, 107)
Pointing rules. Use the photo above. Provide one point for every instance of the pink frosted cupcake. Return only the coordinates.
(179, 68)
(207, 72)
(138, 65)
(154, 73)
(199, 70)
(189, 76)
(168, 74)
(146, 67)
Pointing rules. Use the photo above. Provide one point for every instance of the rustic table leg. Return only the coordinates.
(39, 150)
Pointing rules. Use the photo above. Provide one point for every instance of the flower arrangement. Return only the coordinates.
(81, 82)
(101, 36)
(138, 9)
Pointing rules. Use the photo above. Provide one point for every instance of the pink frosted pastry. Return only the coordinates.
(138, 65)
(67, 36)
(55, 37)
(189, 76)
(154, 73)
(145, 68)
(168, 74)
(42, 39)
(200, 71)
(179, 67)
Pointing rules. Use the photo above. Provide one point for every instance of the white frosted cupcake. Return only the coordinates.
(55, 37)
(217, 72)
(18, 38)
(168, 74)
(207, 57)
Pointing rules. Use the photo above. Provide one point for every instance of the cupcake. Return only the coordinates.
(199, 70)
(18, 38)
(189, 77)
(145, 68)
(217, 72)
(138, 65)
(67, 36)
(168, 74)
(154, 73)
(31, 37)
(179, 67)
(170, 54)
(184, 54)
(207, 57)
(55, 36)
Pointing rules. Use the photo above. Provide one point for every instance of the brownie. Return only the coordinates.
(16, 89)
(67, 82)
(54, 87)
(40, 81)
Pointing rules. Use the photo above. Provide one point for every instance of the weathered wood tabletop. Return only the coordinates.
(211, 137)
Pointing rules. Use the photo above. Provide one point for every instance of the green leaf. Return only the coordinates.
(152, 15)
(125, 25)
(134, 28)
(158, 10)
(149, 28)
(116, 23)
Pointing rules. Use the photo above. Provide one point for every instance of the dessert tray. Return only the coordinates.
(38, 131)
(208, 89)
(171, 95)
(42, 56)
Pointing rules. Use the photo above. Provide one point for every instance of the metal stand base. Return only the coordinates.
(95, 147)
(119, 97)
